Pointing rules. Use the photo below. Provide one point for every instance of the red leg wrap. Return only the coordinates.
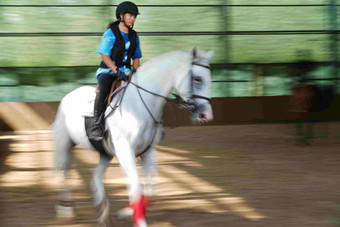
(139, 210)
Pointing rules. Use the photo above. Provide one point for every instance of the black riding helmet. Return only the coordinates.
(126, 7)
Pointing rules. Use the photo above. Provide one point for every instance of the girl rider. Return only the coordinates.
(119, 44)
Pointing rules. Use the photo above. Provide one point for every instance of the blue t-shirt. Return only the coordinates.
(106, 45)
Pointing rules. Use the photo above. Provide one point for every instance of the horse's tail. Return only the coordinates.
(60, 116)
(59, 125)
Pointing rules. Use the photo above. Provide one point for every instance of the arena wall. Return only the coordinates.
(226, 111)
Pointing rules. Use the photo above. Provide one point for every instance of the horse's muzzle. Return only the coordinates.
(203, 113)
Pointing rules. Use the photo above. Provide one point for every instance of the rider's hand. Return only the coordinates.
(121, 75)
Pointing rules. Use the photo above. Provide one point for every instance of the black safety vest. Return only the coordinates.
(117, 52)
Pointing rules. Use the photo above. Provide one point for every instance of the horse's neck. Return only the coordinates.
(160, 77)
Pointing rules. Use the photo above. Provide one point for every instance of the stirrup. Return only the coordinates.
(96, 133)
(96, 138)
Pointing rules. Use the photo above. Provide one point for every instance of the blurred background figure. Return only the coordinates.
(307, 97)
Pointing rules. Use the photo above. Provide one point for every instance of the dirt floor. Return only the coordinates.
(232, 175)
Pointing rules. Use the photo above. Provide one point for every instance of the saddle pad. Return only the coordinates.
(88, 110)
(98, 145)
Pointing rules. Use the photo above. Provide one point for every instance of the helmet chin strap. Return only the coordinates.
(128, 26)
(122, 20)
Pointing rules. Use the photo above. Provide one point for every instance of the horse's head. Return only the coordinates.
(195, 88)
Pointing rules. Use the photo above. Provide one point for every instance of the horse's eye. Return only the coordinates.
(197, 80)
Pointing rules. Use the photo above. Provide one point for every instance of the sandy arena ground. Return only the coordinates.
(232, 175)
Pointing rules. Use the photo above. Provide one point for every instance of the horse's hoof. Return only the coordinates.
(103, 209)
(64, 215)
(105, 224)
(64, 212)
(126, 212)
(140, 223)
(64, 221)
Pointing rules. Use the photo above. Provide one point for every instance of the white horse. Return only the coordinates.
(134, 127)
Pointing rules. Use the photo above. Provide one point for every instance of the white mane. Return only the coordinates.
(176, 64)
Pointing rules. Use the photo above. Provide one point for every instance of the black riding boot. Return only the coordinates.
(99, 106)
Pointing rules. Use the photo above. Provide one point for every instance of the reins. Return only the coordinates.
(178, 100)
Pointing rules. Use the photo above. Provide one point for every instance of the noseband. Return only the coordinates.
(190, 104)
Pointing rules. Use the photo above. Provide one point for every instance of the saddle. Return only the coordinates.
(98, 144)
(104, 146)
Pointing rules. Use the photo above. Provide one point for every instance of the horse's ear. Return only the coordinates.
(209, 55)
(194, 53)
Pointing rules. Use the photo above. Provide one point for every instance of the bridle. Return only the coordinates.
(189, 104)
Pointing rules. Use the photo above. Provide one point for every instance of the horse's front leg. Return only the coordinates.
(126, 156)
(150, 169)
(101, 201)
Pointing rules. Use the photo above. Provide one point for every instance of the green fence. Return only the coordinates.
(52, 48)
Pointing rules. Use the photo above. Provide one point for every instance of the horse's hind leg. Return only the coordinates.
(101, 201)
(63, 143)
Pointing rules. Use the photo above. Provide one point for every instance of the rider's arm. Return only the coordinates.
(135, 64)
(105, 47)
(108, 61)
(137, 55)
